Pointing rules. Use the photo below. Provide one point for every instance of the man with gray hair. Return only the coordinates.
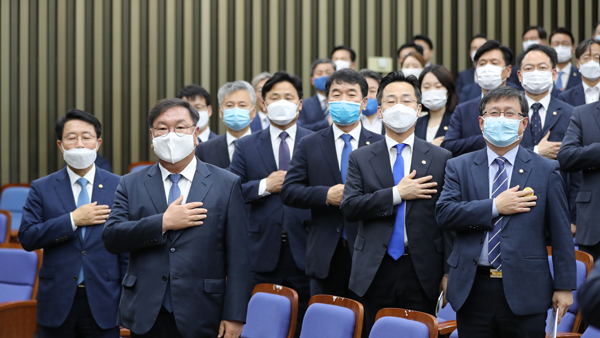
(237, 107)
(261, 121)
(314, 114)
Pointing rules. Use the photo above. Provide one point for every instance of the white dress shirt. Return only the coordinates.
(264, 120)
(204, 135)
(374, 127)
(322, 101)
(565, 75)
(231, 139)
(591, 93)
(545, 102)
(184, 184)
(76, 188)
(407, 156)
(339, 141)
(275, 134)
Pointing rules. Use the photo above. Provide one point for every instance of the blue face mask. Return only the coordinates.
(320, 83)
(344, 113)
(371, 107)
(236, 118)
(501, 131)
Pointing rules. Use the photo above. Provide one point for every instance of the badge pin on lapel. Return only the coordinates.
(527, 189)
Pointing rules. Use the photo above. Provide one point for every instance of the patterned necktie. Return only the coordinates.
(345, 153)
(500, 184)
(284, 152)
(536, 123)
(174, 194)
(559, 83)
(396, 245)
(82, 199)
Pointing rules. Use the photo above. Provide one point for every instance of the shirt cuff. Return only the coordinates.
(396, 196)
(262, 188)
(72, 222)
(494, 209)
(536, 150)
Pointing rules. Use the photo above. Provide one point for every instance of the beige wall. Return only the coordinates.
(116, 58)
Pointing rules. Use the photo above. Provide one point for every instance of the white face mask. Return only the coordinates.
(529, 43)
(341, 64)
(172, 148)
(590, 70)
(473, 55)
(203, 121)
(80, 158)
(399, 118)
(282, 112)
(412, 71)
(563, 53)
(435, 99)
(537, 82)
(489, 76)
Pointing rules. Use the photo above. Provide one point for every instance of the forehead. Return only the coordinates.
(536, 57)
(240, 95)
(504, 103)
(399, 89)
(283, 87)
(261, 83)
(532, 33)
(344, 86)
(407, 50)
(174, 115)
(372, 82)
(78, 127)
(341, 53)
(422, 43)
(430, 78)
(595, 49)
(478, 41)
(492, 54)
(560, 37)
(195, 100)
(412, 60)
(324, 66)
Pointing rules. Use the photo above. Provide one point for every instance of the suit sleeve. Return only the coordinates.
(239, 167)
(452, 213)
(315, 125)
(454, 140)
(37, 233)
(448, 238)
(589, 297)
(122, 235)
(199, 152)
(573, 155)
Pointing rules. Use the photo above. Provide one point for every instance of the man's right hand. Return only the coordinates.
(548, 149)
(90, 214)
(275, 181)
(513, 201)
(335, 194)
(181, 216)
(411, 189)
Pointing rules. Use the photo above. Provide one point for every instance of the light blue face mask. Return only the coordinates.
(371, 107)
(236, 118)
(597, 37)
(320, 83)
(344, 113)
(501, 131)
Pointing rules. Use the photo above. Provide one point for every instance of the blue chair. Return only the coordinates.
(272, 312)
(135, 166)
(5, 220)
(18, 319)
(332, 317)
(590, 332)
(401, 323)
(447, 321)
(13, 199)
(19, 274)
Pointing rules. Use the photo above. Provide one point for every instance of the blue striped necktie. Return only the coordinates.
(500, 185)
(82, 199)
(174, 194)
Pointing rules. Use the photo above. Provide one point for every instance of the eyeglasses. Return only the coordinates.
(85, 139)
(179, 130)
(405, 101)
(509, 114)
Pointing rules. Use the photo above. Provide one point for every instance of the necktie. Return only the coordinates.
(500, 184)
(174, 194)
(344, 164)
(396, 245)
(284, 152)
(559, 83)
(82, 199)
(536, 123)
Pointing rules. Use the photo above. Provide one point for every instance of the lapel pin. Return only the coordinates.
(574, 74)
(445, 127)
(554, 113)
(100, 186)
(368, 142)
(424, 162)
(520, 171)
(527, 189)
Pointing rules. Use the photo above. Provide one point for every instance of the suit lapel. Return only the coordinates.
(381, 164)
(156, 189)
(579, 96)
(480, 175)
(98, 195)
(64, 190)
(330, 155)
(551, 118)
(597, 114)
(444, 125)
(421, 161)
(265, 148)
(223, 152)
(520, 174)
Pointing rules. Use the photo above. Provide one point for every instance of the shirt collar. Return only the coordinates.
(320, 97)
(205, 135)
(276, 131)
(545, 101)
(231, 138)
(566, 69)
(355, 133)
(409, 141)
(262, 115)
(510, 156)
(188, 172)
(73, 177)
(585, 86)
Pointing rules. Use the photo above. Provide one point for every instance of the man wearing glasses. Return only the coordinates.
(184, 224)
(500, 201)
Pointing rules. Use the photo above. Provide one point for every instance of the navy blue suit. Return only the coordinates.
(473, 91)
(589, 297)
(255, 124)
(210, 136)
(513, 79)
(312, 117)
(214, 151)
(574, 96)
(421, 126)
(46, 224)
(207, 265)
(466, 77)
(574, 78)
(103, 163)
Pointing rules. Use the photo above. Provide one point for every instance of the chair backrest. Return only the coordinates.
(19, 274)
(332, 317)
(591, 332)
(402, 323)
(13, 199)
(447, 313)
(5, 221)
(135, 166)
(18, 319)
(272, 312)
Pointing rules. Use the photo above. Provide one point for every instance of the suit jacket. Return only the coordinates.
(574, 96)
(210, 136)
(314, 169)
(463, 134)
(368, 199)
(580, 151)
(252, 161)
(103, 163)
(46, 224)
(513, 79)
(466, 208)
(421, 127)
(466, 77)
(255, 125)
(574, 78)
(197, 260)
(312, 117)
(473, 91)
(214, 151)
(589, 297)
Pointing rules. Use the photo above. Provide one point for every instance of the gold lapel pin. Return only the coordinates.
(100, 186)
(521, 171)
(445, 127)
(368, 142)
(554, 113)
(574, 74)
(424, 162)
(528, 189)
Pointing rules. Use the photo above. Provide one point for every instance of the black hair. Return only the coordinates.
(282, 76)
(76, 114)
(192, 91)
(544, 49)
(346, 48)
(398, 76)
(541, 31)
(491, 45)
(162, 105)
(446, 79)
(480, 35)
(412, 44)
(349, 76)
(424, 38)
(317, 62)
(584, 46)
(370, 73)
(562, 30)
(504, 92)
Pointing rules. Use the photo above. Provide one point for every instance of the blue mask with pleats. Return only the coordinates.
(236, 118)
(371, 107)
(320, 83)
(501, 131)
(344, 113)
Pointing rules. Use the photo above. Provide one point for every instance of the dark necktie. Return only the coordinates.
(396, 245)
(174, 194)
(284, 152)
(536, 123)
(500, 184)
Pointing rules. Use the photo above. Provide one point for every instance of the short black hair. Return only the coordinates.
(504, 92)
(541, 31)
(350, 76)
(584, 46)
(398, 76)
(424, 38)
(370, 73)
(76, 114)
(162, 105)
(410, 44)
(317, 62)
(544, 49)
(491, 45)
(282, 76)
(477, 36)
(562, 30)
(192, 91)
(446, 79)
(346, 48)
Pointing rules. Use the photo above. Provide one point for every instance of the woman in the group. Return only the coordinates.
(413, 64)
(439, 100)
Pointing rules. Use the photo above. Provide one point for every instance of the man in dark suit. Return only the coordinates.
(277, 233)
(563, 42)
(316, 179)
(500, 283)
(184, 225)
(467, 76)
(314, 115)
(532, 35)
(391, 189)
(260, 121)
(493, 66)
(237, 107)
(79, 281)
(589, 298)
(199, 98)
(588, 91)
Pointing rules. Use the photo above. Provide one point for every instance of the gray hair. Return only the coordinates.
(507, 93)
(260, 77)
(317, 62)
(232, 87)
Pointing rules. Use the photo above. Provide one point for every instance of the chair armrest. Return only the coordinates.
(447, 327)
(567, 335)
(18, 319)
(125, 333)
